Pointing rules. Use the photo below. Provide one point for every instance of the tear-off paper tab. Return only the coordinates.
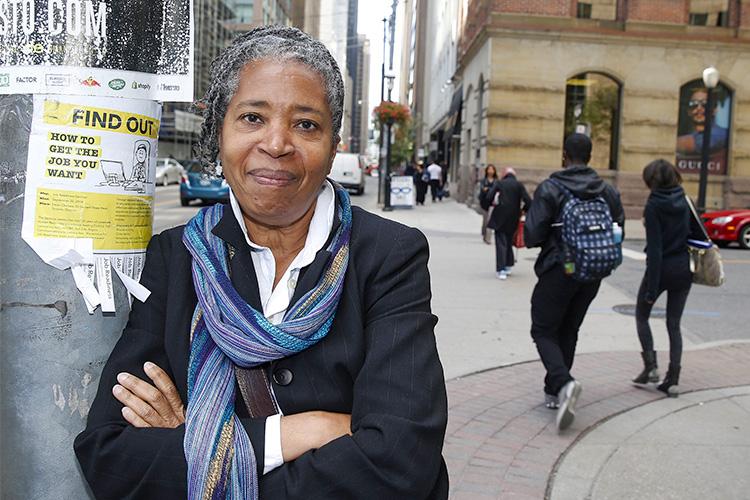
(90, 190)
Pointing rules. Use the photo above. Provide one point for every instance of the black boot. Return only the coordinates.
(669, 385)
(650, 373)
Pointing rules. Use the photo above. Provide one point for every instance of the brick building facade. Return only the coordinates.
(532, 71)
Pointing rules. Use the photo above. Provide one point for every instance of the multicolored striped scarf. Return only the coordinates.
(226, 331)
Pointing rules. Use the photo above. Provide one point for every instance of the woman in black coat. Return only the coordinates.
(669, 223)
(420, 184)
(510, 198)
(490, 177)
(287, 348)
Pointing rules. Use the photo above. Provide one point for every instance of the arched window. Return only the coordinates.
(692, 121)
(592, 107)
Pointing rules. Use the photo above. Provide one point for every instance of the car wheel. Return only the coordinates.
(361, 190)
(744, 238)
(184, 202)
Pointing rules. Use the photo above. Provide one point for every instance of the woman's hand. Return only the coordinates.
(147, 405)
(311, 430)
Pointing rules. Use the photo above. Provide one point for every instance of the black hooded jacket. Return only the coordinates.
(585, 183)
(669, 224)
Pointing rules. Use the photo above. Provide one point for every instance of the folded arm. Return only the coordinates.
(399, 408)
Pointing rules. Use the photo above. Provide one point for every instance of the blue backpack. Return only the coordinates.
(590, 251)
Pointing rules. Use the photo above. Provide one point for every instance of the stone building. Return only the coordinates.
(626, 72)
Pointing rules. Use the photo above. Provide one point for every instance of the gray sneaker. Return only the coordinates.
(551, 401)
(568, 397)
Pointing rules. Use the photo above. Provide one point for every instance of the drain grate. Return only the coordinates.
(629, 310)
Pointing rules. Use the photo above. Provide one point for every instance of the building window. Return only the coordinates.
(698, 19)
(592, 107)
(708, 13)
(691, 124)
(583, 10)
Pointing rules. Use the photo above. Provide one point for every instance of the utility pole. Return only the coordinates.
(381, 164)
(392, 23)
(388, 170)
(51, 349)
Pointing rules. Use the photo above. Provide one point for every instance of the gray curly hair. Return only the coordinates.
(278, 43)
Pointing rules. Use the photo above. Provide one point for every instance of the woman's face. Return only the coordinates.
(276, 144)
(491, 172)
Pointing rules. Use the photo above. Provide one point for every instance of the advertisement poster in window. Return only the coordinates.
(692, 120)
(141, 49)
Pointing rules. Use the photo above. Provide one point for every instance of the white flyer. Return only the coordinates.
(90, 190)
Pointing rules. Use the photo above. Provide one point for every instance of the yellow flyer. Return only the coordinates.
(90, 189)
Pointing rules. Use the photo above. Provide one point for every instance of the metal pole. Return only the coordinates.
(705, 151)
(51, 349)
(392, 22)
(387, 205)
(381, 166)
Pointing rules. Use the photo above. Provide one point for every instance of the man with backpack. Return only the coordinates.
(577, 220)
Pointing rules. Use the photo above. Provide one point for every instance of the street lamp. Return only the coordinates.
(387, 171)
(381, 181)
(387, 201)
(710, 80)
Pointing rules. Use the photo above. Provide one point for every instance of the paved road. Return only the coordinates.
(167, 209)
(712, 314)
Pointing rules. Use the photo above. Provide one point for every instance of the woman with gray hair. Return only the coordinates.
(287, 348)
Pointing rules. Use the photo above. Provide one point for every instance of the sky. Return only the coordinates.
(370, 23)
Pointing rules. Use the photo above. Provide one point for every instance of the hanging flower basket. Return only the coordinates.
(393, 112)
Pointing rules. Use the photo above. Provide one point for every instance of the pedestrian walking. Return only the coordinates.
(568, 275)
(435, 172)
(509, 197)
(421, 182)
(490, 176)
(669, 224)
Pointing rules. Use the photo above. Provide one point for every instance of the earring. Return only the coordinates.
(219, 168)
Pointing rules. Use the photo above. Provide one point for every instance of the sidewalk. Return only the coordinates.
(625, 442)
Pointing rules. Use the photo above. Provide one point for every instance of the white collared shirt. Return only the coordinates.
(275, 301)
(435, 171)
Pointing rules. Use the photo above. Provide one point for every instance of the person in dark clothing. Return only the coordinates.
(490, 176)
(559, 302)
(669, 224)
(421, 184)
(512, 199)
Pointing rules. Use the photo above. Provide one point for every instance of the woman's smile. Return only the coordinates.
(272, 177)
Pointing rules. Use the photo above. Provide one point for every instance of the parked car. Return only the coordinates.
(168, 171)
(726, 226)
(197, 185)
(348, 170)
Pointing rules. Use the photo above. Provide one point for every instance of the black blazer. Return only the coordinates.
(379, 362)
